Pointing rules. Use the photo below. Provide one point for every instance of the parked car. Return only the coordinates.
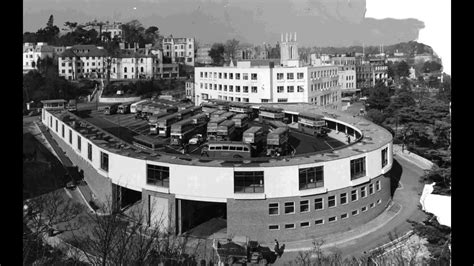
(196, 139)
(70, 185)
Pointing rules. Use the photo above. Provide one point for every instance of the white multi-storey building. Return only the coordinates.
(347, 72)
(180, 50)
(31, 54)
(288, 82)
(82, 61)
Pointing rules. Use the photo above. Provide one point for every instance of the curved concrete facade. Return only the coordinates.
(191, 178)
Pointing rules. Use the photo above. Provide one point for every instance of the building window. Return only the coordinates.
(304, 206)
(312, 177)
(245, 76)
(331, 201)
(371, 189)
(273, 227)
(289, 76)
(231, 88)
(237, 75)
(364, 209)
(355, 212)
(62, 130)
(56, 125)
(104, 161)
(220, 75)
(300, 75)
(245, 100)
(282, 100)
(363, 192)
(318, 204)
(125, 69)
(248, 182)
(70, 136)
(378, 185)
(231, 76)
(245, 89)
(354, 195)
(379, 201)
(89, 151)
(289, 207)
(254, 89)
(304, 224)
(289, 226)
(274, 208)
(300, 89)
(357, 168)
(343, 198)
(279, 76)
(344, 216)
(202, 75)
(280, 89)
(237, 88)
(225, 87)
(384, 157)
(253, 76)
(220, 87)
(291, 88)
(320, 221)
(157, 175)
(332, 219)
(79, 144)
(372, 205)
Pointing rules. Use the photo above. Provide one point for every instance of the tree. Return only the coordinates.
(376, 116)
(50, 22)
(431, 66)
(133, 32)
(403, 69)
(217, 54)
(230, 48)
(379, 97)
(152, 35)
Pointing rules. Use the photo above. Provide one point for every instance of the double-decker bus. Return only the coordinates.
(255, 136)
(241, 121)
(183, 130)
(153, 122)
(183, 114)
(312, 124)
(268, 113)
(147, 143)
(199, 118)
(241, 108)
(227, 149)
(212, 127)
(221, 104)
(276, 124)
(164, 124)
(226, 130)
(277, 142)
(227, 115)
(208, 107)
(111, 109)
(123, 108)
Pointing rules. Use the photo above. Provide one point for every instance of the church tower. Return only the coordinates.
(288, 49)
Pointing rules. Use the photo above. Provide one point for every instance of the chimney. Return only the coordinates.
(287, 37)
(282, 37)
(295, 36)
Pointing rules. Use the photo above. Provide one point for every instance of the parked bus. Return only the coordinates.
(221, 104)
(227, 149)
(277, 142)
(241, 121)
(133, 106)
(165, 122)
(227, 115)
(139, 108)
(184, 130)
(240, 108)
(253, 135)
(199, 118)
(186, 113)
(212, 127)
(124, 108)
(147, 143)
(218, 113)
(268, 113)
(276, 124)
(111, 109)
(153, 122)
(312, 124)
(226, 130)
(209, 112)
(208, 107)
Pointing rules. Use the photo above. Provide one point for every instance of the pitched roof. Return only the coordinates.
(84, 50)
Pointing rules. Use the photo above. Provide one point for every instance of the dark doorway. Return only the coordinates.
(202, 218)
(127, 197)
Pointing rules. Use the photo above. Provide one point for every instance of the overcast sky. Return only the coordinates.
(317, 22)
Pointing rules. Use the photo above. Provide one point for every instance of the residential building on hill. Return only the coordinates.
(33, 52)
(180, 50)
(82, 61)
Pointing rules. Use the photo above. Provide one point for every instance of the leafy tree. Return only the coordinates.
(403, 69)
(379, 97)
(375, 116)
(431, 66)
(133, 32)
(152, 35)
(217, 54)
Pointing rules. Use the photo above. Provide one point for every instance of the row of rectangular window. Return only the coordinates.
(321, 221)
(323, 86)
(289, 207)
(245, 89)
(237, 99)
(323, 73)
(220, 75)
(289, 89)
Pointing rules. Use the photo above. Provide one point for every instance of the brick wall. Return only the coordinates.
(251, 217)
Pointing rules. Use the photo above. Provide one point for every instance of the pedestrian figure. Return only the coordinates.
(277, 247)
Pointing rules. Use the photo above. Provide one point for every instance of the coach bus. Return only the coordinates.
(268, 113)
(241, 108)
(227, 149)
(226, 130)
(212, 127)
(165, 122)
(147, 143)
(312, 124)
(277, 142)
(111, 109)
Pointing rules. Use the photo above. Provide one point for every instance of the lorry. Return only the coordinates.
(233, 252)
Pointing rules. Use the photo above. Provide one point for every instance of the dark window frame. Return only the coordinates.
(249, 182)
(358, 168)
(157, 175)
(104, 161)
(305, 174)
